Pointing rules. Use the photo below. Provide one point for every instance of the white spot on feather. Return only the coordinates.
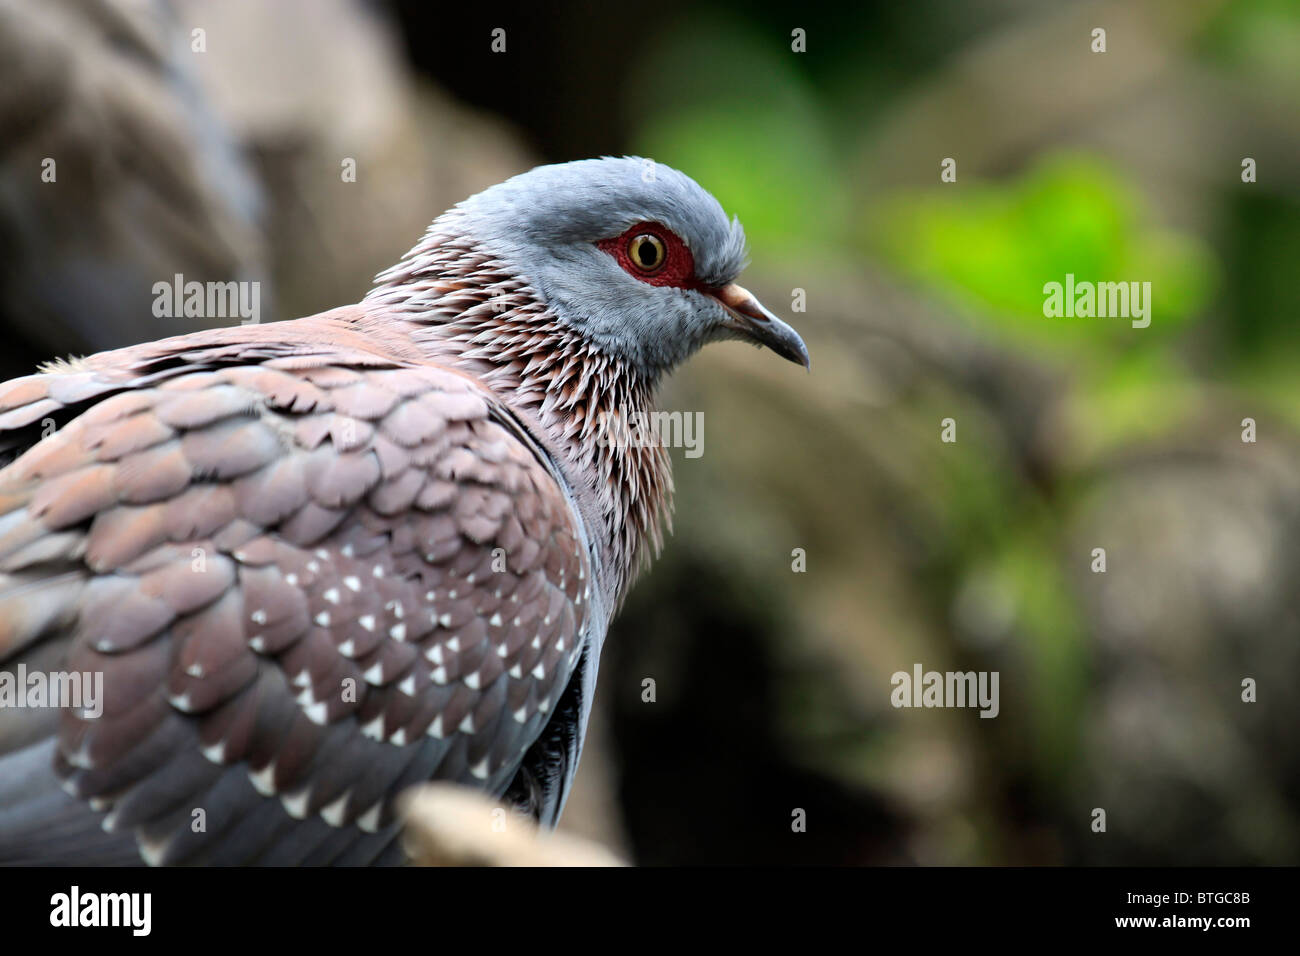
(216, 752)
(264, 780)
(333, 812)
(296, 804)
(152, 851)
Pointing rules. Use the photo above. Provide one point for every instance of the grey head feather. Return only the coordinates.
(544, 224)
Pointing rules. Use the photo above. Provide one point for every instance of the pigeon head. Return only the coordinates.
(633, 255)
(569, 291)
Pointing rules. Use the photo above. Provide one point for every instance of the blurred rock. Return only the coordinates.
(1199, 594)
(304, 85)
(147, 182)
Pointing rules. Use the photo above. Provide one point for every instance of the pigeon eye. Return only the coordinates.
(652, 253)
(647, 252)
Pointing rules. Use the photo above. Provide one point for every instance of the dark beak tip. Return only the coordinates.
(799, 356)
(796, 351)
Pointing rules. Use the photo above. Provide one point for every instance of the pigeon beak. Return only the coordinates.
(751, 320)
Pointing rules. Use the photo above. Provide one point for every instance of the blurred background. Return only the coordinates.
(1119, 690)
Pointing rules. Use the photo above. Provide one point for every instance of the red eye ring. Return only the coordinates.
(677, 267)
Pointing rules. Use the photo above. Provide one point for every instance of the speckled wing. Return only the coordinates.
(309, 578)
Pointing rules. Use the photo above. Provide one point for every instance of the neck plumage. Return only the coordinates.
(468, 311)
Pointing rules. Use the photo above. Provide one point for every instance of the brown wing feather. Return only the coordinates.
(307, 583)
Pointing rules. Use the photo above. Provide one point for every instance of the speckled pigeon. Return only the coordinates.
(319, 561)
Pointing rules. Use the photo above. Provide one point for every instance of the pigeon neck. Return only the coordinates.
(466, 310)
